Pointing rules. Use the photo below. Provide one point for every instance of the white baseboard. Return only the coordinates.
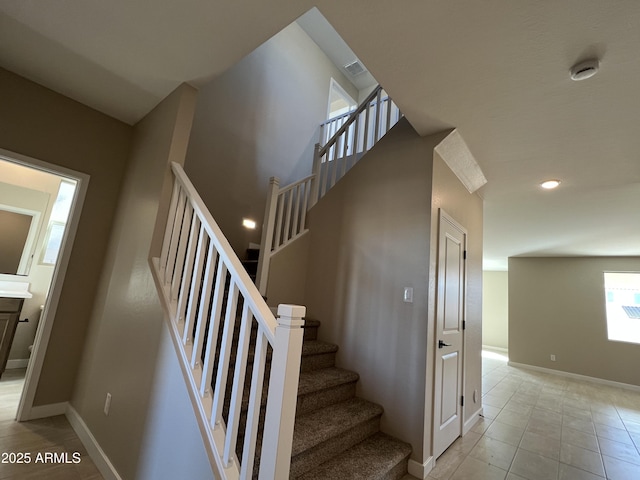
(577, 376)
(50, 410)
(96, 453)
(420, 470)
(469, 424)
(497, 349)
(17, 363)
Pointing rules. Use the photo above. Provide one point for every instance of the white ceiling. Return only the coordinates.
(495, 70)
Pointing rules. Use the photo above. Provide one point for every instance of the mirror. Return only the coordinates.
(18, 228)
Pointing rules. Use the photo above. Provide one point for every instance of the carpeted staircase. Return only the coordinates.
(337, 435)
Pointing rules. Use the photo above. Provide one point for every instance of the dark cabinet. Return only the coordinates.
(9, 314)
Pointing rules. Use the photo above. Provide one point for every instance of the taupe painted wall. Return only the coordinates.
(465, 208)
(370, 238)
(557, 306)
(47, 126)
(495, 309)
(127, 353)
(288, 273)
(259, 119)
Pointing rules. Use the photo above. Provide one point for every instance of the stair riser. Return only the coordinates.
(316, 362)
(316, 400)
(397, 472)
(310, 333)
(305, 461)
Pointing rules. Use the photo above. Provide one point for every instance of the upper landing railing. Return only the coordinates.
(206, 293)
(343, 141)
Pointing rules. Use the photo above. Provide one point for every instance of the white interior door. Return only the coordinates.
(449, 337)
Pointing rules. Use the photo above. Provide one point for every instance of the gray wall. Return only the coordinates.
(259, 119)
(127, 353)
(495, 309)
(370, 237)
(47, 126)
(557, 306)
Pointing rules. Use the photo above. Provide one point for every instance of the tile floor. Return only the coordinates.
(47, 435)
(538, 426)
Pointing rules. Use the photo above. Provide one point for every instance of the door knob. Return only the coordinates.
(441, 344)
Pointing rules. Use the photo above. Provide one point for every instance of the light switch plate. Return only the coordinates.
(408, 295)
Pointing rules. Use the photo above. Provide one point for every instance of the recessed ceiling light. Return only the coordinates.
(250, 224)
(550, 184)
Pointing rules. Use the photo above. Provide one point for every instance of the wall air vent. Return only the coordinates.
(355, 68)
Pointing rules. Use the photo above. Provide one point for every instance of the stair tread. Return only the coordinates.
(324, 378)
(317, 347)
(368, 460)
(314, 428)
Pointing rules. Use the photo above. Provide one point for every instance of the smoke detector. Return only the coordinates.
(584, 70)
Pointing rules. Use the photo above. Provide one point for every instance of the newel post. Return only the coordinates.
(315, 182)
(275, 461)
(266, 243)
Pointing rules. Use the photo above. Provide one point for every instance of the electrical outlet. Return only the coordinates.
(553, 358)
(107, 404)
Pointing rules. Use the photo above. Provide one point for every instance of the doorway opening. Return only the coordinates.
(56, 195)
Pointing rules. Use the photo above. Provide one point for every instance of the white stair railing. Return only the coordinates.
(205, 290)
(346, 139)
(351, 139)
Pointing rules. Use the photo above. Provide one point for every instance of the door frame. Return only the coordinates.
(444, 216)
(43, 333)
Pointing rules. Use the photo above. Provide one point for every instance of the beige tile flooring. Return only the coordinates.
(48, 435)
(538, 426)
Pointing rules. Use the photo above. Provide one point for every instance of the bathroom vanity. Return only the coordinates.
(12, 295)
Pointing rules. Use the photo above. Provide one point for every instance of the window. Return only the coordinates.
(58, 222)
(622, 290)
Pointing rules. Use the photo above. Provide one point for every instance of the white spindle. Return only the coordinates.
(253, 412)
(189, 263)
(225, 355)
(194, 292)
(279, 218)
(214, 326)
(203, 308)
(237, 391)
(287, 223)
(296, 211)
(185, 229)
(175, 234)
(365, 145)
(378, 115)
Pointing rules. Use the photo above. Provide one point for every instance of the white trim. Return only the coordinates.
(469, 424)
(420, 470)
(94, 450)
(43, 333)
(497, 349)
(17, 363)
(601, 381)
(334, 86)
(49, 410)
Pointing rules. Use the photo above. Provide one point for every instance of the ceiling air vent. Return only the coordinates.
(355, 68)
